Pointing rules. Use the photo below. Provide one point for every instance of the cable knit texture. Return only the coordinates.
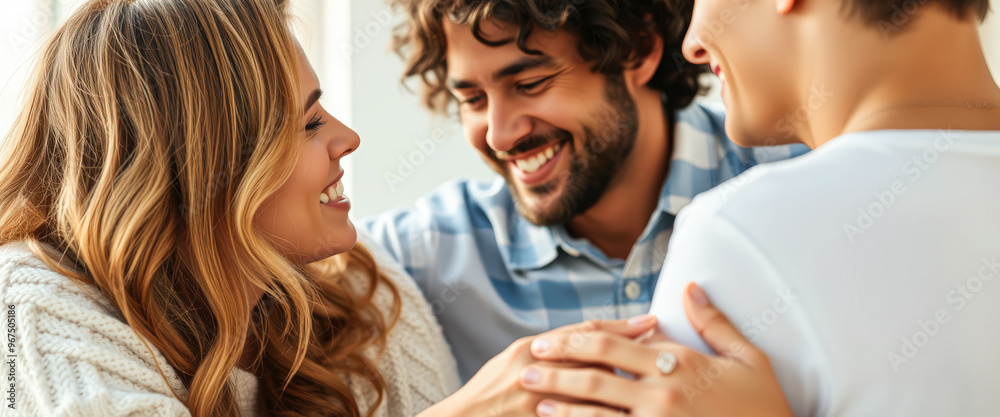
(75, 356)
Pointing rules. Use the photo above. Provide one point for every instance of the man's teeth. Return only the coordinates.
(335, 192)
(529, 165)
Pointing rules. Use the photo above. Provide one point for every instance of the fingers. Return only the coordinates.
(717, 331)
(589, 384)
(655, 336)
(550, 408)
(598, 348)
(630, 328)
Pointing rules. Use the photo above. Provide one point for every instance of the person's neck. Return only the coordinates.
(931, 74)
(618, 219)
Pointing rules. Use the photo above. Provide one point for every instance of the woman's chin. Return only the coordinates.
(338, 240)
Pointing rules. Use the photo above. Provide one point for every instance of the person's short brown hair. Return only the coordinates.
(874, 12)
(612, 34)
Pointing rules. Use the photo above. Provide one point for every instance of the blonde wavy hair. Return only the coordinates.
(152, 133)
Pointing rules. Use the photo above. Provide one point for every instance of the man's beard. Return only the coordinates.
(607, 144)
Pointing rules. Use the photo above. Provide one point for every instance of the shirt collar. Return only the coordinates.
(696, 156)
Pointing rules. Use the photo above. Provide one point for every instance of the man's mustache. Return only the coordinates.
(534, 142)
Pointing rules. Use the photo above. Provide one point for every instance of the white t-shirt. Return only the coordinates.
(865, 270)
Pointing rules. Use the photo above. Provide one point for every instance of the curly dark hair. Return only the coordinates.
(612, 33)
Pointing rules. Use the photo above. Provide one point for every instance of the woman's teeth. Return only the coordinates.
(529, 165)
(333, 193)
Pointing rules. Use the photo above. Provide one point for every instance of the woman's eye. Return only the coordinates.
(315, 123)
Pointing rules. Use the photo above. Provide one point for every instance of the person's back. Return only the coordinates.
(864, 270)
(872, 290)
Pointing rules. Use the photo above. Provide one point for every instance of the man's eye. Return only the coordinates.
(531, 87)
(474, 101)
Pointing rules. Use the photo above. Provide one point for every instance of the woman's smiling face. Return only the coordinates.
(307, 218)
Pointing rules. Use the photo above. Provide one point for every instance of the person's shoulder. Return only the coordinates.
(454, 207)
(800, 186)
(467, 195)
(75, 354)
(27, 278)
(19, 255)
(53, 301)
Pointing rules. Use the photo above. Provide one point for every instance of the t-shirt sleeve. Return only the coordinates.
(742, 280)
(67, 355)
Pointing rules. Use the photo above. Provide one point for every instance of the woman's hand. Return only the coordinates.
(496, 390)
(739, 381)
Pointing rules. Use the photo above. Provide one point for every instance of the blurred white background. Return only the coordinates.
(405, 151)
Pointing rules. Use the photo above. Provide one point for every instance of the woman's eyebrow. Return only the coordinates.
(313, 98)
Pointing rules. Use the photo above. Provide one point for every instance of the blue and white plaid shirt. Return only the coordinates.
(493, 277)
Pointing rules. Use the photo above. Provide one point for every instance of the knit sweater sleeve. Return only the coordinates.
(69, 354)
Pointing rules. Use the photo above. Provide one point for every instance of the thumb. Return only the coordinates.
(717, 331)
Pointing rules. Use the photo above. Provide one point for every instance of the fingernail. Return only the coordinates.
(640, 320)
(529, 376)
(546, 409)
(697, 295)
(540, 346)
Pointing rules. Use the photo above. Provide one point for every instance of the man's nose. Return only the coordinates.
(507, 124)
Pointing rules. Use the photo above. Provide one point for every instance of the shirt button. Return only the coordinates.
(632, 290)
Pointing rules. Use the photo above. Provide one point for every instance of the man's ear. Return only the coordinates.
(641, 70)
(785, 6)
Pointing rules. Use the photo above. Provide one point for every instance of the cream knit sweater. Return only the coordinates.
(74, 356)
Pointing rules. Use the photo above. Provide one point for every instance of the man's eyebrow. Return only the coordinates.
(522, 65)
(313, 98)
